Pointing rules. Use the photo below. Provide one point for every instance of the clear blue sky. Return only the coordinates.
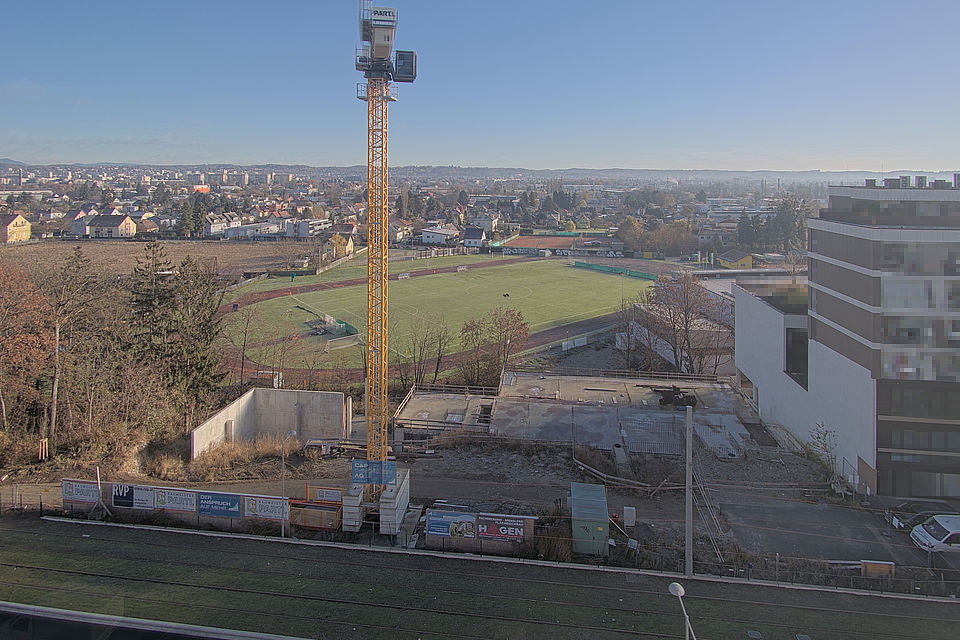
(799, 84)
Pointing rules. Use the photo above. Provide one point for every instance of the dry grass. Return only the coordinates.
(118, 257)
(227, 456)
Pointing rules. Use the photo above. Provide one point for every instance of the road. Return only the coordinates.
(315, 591)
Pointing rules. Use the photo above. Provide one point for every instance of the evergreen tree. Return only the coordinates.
(187, 223)
(192, 359)
(151, 298)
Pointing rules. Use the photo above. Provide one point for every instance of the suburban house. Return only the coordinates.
(279, 217)
(250, 231)
(474, 237)
(487, 221)
(328, 245)
(399, 229)
(306, 228)
(14, 228)
(120, 226)
(735, 259)
(709, 238)
(446, 235)
(215, 224)
(345, 228)
(146, 226)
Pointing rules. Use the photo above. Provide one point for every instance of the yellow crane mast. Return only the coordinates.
(380, 66)
(378, 247)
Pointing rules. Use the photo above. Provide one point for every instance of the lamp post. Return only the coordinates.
(677, 589)
(283, 472)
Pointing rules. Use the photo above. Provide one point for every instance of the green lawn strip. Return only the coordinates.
(374, 585)
(548, 293)
(604, 600)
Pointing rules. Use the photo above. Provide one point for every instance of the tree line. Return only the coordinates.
(99, 367)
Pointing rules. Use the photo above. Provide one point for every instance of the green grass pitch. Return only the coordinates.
(548, 293)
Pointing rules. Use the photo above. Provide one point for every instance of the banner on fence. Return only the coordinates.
(132, 496)
(122, 496)
(224, 505)
(374, 472)
(175, 499)
(451, 524)
(491, 526)
(266, 508)
(79, 491)
(326, 494)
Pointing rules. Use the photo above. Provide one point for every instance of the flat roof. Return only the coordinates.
(595, 411)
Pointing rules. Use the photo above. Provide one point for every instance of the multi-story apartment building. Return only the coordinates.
(882, 337)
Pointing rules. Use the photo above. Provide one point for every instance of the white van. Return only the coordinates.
(938, 533)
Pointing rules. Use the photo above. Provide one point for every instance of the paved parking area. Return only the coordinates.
(823, 531)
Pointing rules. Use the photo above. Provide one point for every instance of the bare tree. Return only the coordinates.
(244, 320)
(69, 292)
(633, 337)
(473, 339)
(441, 339)
(690, 322)
(508, 332)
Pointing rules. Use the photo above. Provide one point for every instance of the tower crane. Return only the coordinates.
(380, 66)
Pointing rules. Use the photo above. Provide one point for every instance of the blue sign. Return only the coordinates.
(374, 472)
(451, 524)
(224, 505)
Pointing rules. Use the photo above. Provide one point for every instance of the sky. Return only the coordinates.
(671, 84)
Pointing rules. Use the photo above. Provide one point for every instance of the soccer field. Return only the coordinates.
(357, 268)
(549, 293)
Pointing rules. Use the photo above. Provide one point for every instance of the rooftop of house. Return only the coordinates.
(733, 255)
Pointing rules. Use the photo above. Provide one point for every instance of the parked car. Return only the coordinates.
(938, 533)
(907, 515)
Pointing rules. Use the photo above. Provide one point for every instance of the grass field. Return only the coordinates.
(357, 268)
(119, 257)
(548, 293)
(310, 591)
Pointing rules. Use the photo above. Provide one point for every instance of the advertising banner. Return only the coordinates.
(496, 527)
(132, 496)
(144, 498)
(451, 524)
(266, 508)
(122, 495)
(323, 494)
(224, 505)
(176, 499)
(79, 491)
(374, 472)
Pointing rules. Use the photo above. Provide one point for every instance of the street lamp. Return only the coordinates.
(677, 589)
(283, 470)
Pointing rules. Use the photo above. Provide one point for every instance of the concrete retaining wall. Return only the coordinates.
(314, 415)
(213, 432)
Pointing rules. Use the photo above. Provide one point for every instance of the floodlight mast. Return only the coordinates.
(375, 59)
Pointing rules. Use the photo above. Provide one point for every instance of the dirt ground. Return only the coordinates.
(118, 257)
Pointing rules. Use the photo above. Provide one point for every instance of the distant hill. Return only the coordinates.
(7, 162)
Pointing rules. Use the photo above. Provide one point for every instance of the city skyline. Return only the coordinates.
(533, 85)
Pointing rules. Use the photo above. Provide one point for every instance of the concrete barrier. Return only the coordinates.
(314, 415)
